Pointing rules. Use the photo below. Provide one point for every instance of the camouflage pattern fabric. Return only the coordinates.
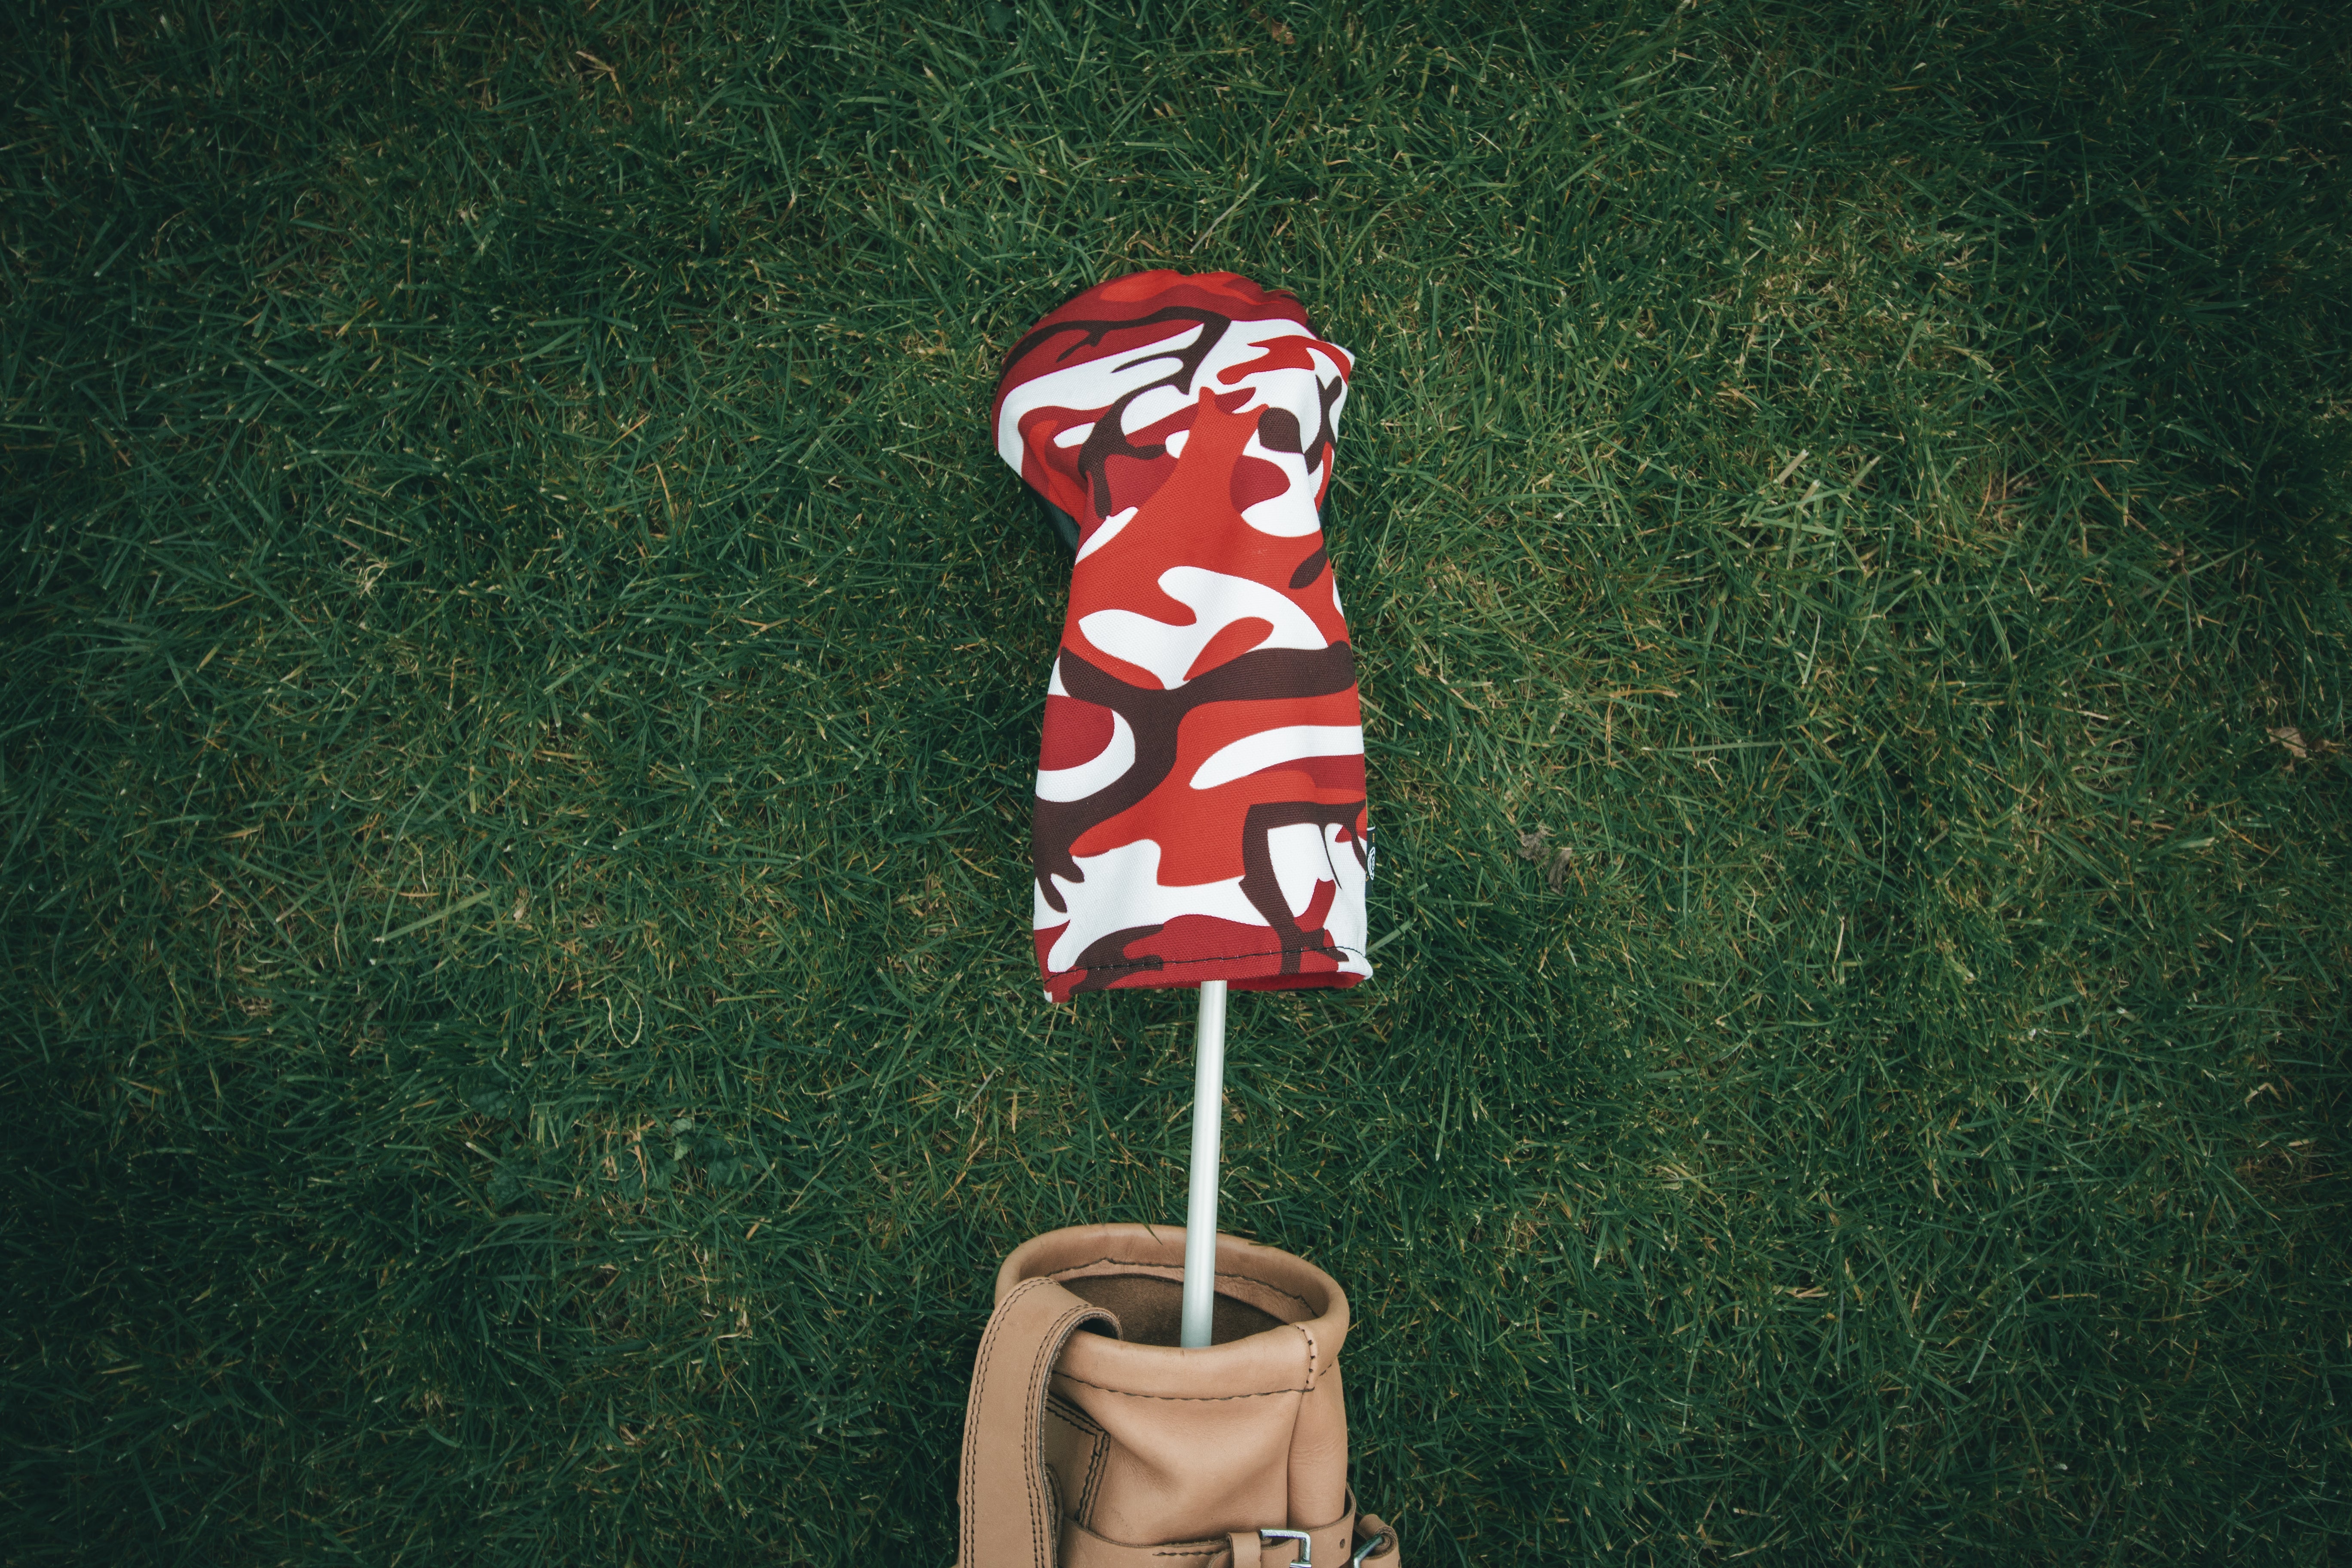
(1200, 811)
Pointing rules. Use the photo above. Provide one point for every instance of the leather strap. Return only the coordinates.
(1335, 1545)
(1010, 1517)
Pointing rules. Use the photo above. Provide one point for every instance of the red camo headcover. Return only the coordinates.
(1200, 808)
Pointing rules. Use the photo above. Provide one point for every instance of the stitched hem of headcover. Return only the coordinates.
(1241, 972)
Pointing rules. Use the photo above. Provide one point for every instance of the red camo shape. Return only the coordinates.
(1200, 810)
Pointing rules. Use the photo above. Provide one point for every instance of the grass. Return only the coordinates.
(524, 678)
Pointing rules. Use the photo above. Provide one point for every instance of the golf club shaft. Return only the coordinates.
(1208, 1127)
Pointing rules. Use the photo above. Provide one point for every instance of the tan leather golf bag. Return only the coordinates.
(1093, 1441)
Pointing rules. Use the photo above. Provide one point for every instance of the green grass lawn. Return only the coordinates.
(523, 683)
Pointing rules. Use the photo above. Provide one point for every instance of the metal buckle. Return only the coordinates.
(1367, 1549)
(1299, 1538)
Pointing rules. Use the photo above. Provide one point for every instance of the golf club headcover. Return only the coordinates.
(1200, 810)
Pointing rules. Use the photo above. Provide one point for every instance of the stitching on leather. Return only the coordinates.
(1098, 1447)
(1270, 1285)
(1032, 1456)
(1073, 1415)
(1033, 1447)
(1056, 1337)
(979, 1386)
(1100, 1457)
(1186, 1398)
(980, 1382)
(1310, 1355)
(1062, 1274)
(1032, 1425)
(1076, 1415)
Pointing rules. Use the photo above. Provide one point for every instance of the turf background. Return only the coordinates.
(522, 682)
